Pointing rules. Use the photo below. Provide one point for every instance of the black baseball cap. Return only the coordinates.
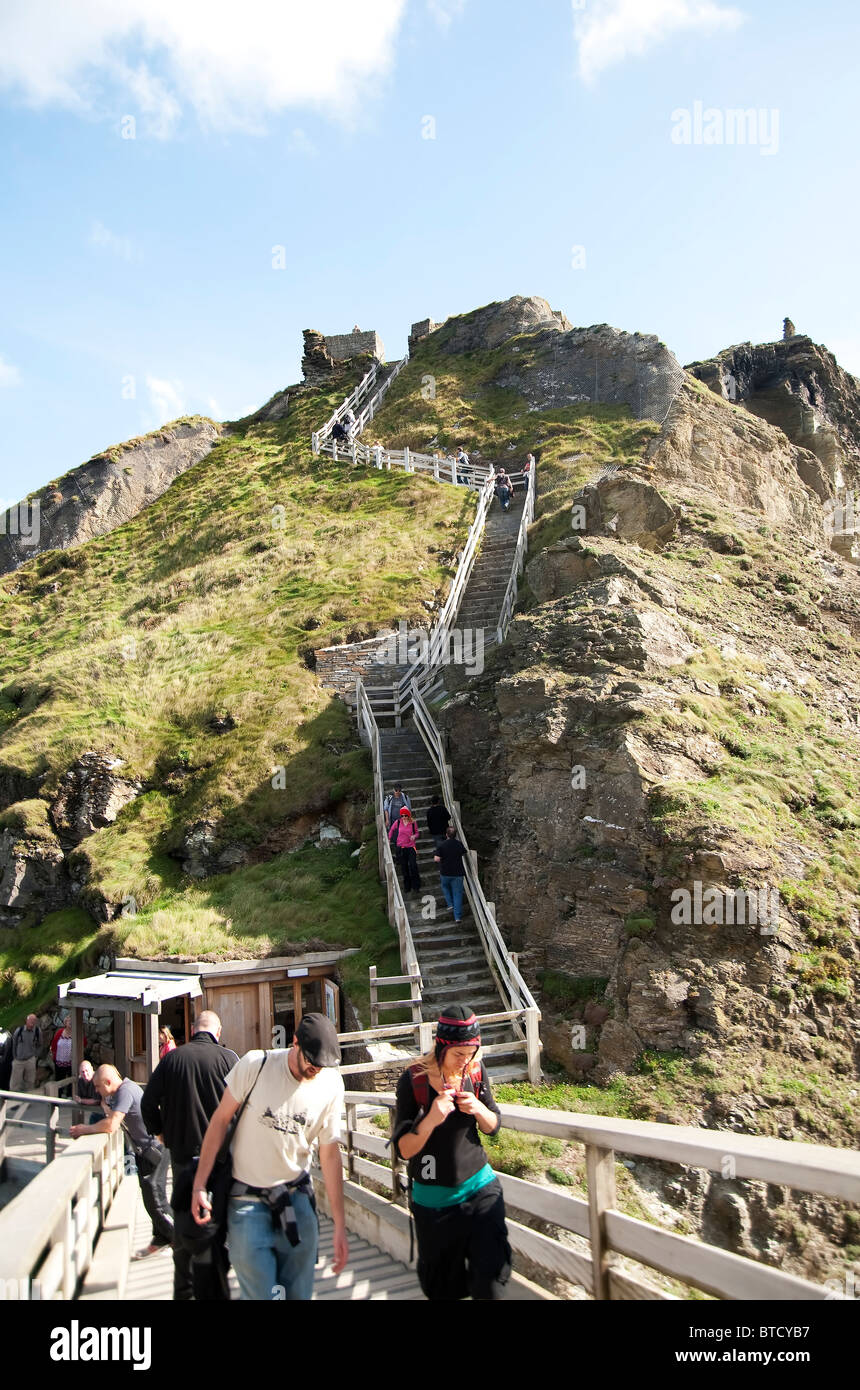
(317, 1037)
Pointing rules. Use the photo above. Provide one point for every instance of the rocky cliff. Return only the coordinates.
(103, 493)
(676, 720)
(562, 365)
(799, 387)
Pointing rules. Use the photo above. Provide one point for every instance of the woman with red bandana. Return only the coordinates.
(444, 1102)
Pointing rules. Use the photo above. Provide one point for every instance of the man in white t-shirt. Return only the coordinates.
(294, 1100)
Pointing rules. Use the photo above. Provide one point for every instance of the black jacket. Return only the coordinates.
(184, 1092)
(437, 819)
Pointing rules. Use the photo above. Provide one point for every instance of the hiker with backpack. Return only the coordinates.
(504, 489)
(444, 1103)
(404, 835)
(394, 804)
(26, 1045)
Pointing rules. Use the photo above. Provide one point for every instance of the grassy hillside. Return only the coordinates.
(442, 400)
(179, 643)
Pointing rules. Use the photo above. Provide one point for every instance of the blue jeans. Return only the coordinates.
(452, 889)
(267, 1266)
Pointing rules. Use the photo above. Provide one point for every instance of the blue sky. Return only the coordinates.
(136, 276)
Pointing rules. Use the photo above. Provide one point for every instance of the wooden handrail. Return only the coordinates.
(494, 945)
(48, 1232)
(319, 436)
(612, 1234)
(397, 913)
(509, 601)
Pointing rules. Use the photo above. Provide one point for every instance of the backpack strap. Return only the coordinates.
(420, 1086)
(475, 1073)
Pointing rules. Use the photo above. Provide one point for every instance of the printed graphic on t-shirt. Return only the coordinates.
(284, 1121)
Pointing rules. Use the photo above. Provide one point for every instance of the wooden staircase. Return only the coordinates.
(453, 964)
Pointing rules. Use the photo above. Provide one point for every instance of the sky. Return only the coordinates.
(185, 187)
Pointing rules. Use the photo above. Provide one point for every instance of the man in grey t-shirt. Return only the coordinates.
(122, 1097)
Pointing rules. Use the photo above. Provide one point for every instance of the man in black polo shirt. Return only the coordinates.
(449, 857)
(180, 1099)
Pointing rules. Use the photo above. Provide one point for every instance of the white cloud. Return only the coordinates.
(9, 375)
(121, 246)
(301, 143)
(609, 31)
(446, 11)
(232, 65)
(165, 398)
(214, 408)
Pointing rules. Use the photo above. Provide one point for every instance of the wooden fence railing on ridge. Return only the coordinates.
(615, 1251)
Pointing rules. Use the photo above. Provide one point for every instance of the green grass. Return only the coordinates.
(572, 441)
(209, 604)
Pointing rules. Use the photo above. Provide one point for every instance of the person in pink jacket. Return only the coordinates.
(404, 837)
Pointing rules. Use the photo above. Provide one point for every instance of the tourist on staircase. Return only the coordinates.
(404, 834)
(443, 1102)
(438, 817)
(504, 489)
(449, 856)
(394, 803)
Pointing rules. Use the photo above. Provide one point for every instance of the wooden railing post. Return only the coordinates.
(415, 994)
(350, 1151)
(600, 1172)
(532, 1042)
(51, 1121)
(374, 999)
(395, 1161)
(425, 1037)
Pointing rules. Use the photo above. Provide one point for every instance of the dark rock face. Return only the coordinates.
(599, 364)
(798, 386)
(103, 493)
(563, 365)
(32, 875)
(91, 796)
(203, 854)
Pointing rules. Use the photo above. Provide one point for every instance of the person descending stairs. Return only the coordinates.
(451, 957)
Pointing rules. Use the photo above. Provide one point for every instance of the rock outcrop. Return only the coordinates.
(710, 448)
(797, 385)
(91, 795)
(33, 878)
(562, 365)
(496, 323)
(103, 493)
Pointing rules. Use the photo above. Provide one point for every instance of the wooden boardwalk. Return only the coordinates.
(370, 1274)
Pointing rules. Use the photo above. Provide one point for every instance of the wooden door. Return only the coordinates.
(237, 1006)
